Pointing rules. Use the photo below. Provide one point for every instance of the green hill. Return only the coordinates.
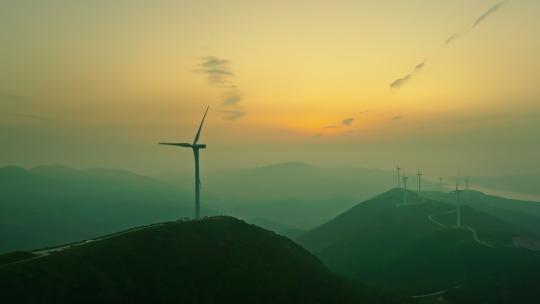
(416, 250)
(523, 183)
(217, 260)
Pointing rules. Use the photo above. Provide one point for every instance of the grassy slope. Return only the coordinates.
(399, 248)
(210, 261)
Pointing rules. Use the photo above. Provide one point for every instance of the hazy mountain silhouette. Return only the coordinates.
(293, 194)
(524, 183)
(382, 243)
(50, 205)
(218, 260)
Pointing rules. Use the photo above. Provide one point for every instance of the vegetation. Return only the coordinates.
(385, 244)
(15, 256)
(216, 260)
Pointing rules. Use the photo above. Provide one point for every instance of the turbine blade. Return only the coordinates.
(200, 127)
(187, 145)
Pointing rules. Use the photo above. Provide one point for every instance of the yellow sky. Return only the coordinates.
(131, 70)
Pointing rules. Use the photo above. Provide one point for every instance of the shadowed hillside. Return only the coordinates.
(416, 248)
(216, 260)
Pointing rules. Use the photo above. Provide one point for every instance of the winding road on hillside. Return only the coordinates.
(471, 229)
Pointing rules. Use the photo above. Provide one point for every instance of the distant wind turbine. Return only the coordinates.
(405, 178)
(195, 146)
(419, 174)
(441, 184)
(458, 208)
(398, 177)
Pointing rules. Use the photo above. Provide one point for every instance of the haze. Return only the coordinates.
(446, 86)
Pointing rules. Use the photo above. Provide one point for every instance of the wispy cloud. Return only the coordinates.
(8, 97)
(217, 70)
(398, 83)
(476, 23)
(487, 13)
(24, 115)
(219, 73)
(232, 115)
(232, 100)
(16, 106)
(396, 118)
(347, 122)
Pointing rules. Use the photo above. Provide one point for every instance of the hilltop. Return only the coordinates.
(416, 249)
(219, 259)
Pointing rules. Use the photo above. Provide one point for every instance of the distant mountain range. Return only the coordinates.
(416, 249)
(294, 194)
(524, 183)
(51, 205)
(217, 260)
(56, 204)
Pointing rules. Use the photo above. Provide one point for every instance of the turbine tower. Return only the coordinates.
(195, 146)
(458, 208)
(405, 178)
(398, 177)
(441, 184)
(419, 174)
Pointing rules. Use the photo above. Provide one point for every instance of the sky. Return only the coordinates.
(445, 86)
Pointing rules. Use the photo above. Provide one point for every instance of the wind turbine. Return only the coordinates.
(458, 208)
(398, 177)
(441, 184)
(405, 178)
(419, 180)
(195, 146)
(467, 189)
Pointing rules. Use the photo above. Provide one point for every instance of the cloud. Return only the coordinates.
(232, 100)
(347, 122)
(24, 115)
(477, 22)
(487, 13)
(232, 115)
(219, 74)
(11, 97)
(398, 83)
(397, 118)
(217, 70)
